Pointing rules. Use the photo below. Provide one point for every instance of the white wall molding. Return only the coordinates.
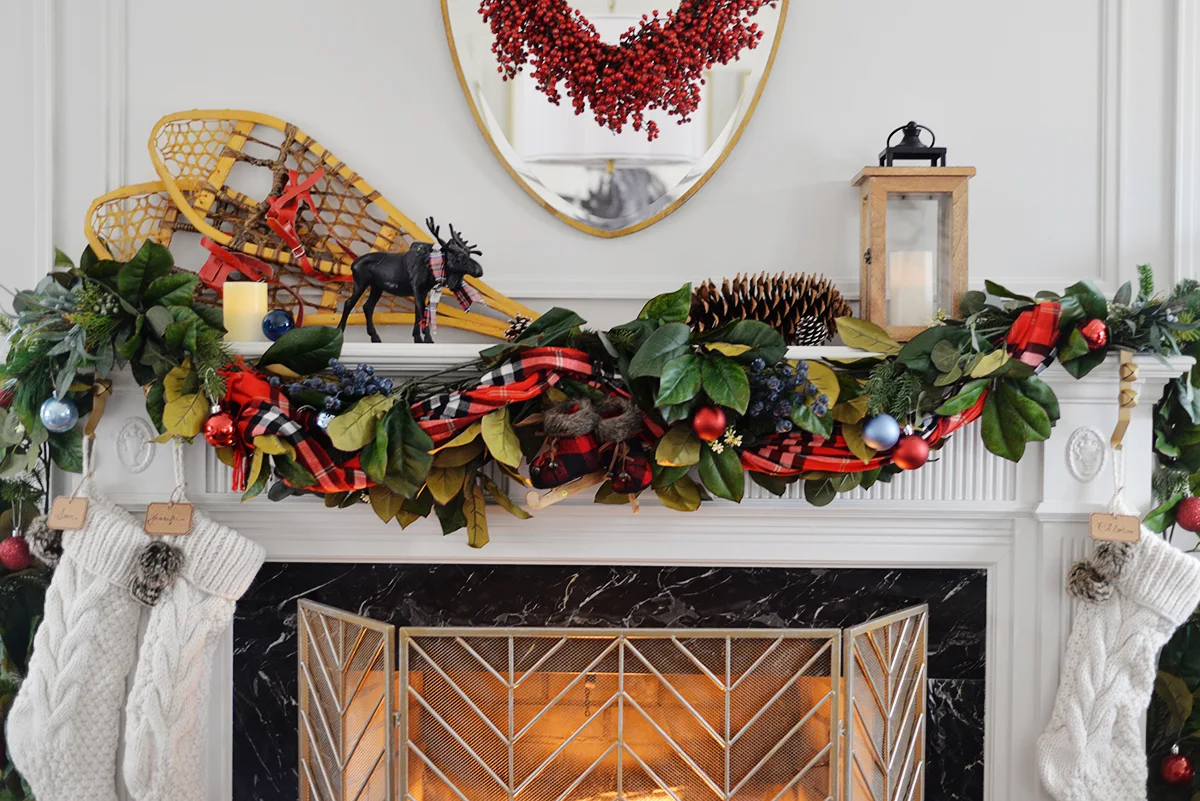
(1114, 83)
(1186, 247)
(115, 87)
(42, 40)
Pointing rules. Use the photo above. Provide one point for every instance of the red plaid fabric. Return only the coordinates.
(260, 410)
(1032, 339)
(523, 378)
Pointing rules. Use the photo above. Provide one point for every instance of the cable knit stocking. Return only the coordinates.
(165, 734)
(1093, 749)
(65, 723)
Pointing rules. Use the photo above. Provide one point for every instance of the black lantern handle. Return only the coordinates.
(913, 129)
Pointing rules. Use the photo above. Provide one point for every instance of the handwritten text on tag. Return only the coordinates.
(67, 513)
(168, 519)
(1115, 528)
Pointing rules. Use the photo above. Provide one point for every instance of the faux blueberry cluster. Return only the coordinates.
(342, 387)
(775, 392)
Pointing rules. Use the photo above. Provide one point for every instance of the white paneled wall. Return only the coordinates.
(1076, 113)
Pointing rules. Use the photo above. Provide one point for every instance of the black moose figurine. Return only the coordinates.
(418, 273)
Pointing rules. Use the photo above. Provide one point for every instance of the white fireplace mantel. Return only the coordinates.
(1022, 523)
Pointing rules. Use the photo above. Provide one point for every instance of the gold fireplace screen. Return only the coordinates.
(481, 714)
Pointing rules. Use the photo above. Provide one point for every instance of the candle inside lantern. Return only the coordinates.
(245, 305)
(910, 287)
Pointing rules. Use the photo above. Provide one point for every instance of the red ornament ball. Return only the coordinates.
(14, 554)
(6, 398)
(219, 430)
(911, 452)
(1187, 514)
(709, 423)
(1095, 333)
(1177, 770)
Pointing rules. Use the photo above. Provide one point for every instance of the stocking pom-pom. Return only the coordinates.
(571, 418)
(1110, 559)
(620, 419)
(1087, 584)
(45, 543)
(157, 566)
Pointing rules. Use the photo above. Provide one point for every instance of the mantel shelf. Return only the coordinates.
(414, 359)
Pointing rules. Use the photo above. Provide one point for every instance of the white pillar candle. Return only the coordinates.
(245, 305)
(910, 287)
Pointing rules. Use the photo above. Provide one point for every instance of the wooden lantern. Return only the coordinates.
(914, 245)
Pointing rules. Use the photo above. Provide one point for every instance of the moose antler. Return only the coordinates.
(464, 244)
(436, 230)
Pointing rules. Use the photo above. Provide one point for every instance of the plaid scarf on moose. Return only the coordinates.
(1031, 339)
(464, 293)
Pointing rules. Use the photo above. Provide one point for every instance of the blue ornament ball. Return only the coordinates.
(277, 323)
(881, 432)
(59, 416)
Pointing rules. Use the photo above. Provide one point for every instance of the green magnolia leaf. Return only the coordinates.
(1163, 516)
(66, 450)
(917, 353)
(972, 302)
(155, 403)
(63, 260)
(150, 263)
(304, 350)
(672, 307)
(1091, 299)
(211, 316)
(967, 397)
(607, 495)
(990, 363)
(679, 447)
(1080, 367)
(722, 473)
(354, 428)
(451, 516)
(773, 484)
(500, 438)
(550, 328)
(854, 441)
(1074, 347)
(851, 411)
(1037, 423)
(475, 512)
(296, 474)
(258, 479)
(172, 290)
(804, 417)
(726, 349)
(819, 492)
(184, 416)
(945, 356)
(725, 382)
(682, 496)
(680, 380)
(865, 335)
(998, 291)
(764, 342)
(1174, 692)
(668, 342)
(445, 482)
(1038, 391)
(665, 476)
(825, 380)
(386, 503)
(408, 457)
(1124, 295)
(460, 456)
(500, 497)
(1002, 428)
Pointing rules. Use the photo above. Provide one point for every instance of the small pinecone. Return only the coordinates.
(516, 327)
(802, 308)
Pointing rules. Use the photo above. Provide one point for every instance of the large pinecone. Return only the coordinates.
(803, 308)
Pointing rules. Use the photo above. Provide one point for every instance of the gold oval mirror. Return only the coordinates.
(603, 183)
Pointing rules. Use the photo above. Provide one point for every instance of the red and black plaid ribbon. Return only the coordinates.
(262, 410)
(1031, 339)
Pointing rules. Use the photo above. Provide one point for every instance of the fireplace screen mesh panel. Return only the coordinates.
(575, 715)
(345, 698)
(885, 698)
(479, 714)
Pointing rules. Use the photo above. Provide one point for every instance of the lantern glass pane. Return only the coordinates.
(918, 259)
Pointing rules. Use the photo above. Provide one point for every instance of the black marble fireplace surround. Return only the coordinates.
(264, 685)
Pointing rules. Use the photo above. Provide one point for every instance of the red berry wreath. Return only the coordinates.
(659, 65)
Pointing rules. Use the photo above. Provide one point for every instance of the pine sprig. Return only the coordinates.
(1145, 282)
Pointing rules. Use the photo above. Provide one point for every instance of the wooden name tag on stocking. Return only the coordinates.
(168, 519)
(67, 513)
(1116, 528)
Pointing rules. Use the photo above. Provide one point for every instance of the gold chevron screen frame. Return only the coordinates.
(488, 714)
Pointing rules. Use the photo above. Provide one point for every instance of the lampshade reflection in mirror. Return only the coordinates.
(600, 182)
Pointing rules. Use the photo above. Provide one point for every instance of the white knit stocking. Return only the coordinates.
(1093, 749)
(65, 723)
(165, 734)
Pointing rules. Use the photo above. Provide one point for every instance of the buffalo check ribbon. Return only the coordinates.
(262, 410)
(1031, 339)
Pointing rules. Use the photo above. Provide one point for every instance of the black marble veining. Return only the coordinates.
(265, 738)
